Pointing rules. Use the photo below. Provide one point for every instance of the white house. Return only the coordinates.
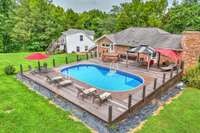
(75, 40)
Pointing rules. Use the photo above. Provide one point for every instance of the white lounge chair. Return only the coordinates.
(64, 83)
(168, 68)
(102, 97)
(52, 78)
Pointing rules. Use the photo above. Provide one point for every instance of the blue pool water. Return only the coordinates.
(102, 78)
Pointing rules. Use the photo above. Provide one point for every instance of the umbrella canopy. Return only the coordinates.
(36, 56)
(169, 53)
(142, 49)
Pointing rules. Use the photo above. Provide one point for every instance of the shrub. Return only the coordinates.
(9, 70)
(192, 77)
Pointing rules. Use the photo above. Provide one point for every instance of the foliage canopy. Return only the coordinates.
(31, 25)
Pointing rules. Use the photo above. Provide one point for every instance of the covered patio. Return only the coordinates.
(152, 55)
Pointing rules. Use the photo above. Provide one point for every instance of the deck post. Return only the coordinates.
(155, 83)
(91, 55)
(95, 54)
(39, 66)
(129, 101)
(127, 59)
(171, 73)
(144, 92)
(77, 57)
(21, 69)
(164, 76)
(182, 65)
(54, 62)
(29, 67)
(66, 60)
(87, 56)
(177, 71)
(110, 114)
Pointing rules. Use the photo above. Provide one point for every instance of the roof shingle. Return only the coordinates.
(153, 37)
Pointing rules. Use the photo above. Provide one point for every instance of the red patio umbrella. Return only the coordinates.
(37, 56)
(175, 56)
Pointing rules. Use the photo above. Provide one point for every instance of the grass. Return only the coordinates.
(24, 111)
(180, 116)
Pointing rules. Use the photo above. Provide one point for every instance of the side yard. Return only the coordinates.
(23, 111)
(180, 116)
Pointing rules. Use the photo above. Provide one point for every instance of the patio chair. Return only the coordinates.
(64, 83)
(102, 97)
(83, 92)
(53, 78)
(168, 68)
(79, 88)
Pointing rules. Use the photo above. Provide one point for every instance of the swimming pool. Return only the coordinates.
(102, 78)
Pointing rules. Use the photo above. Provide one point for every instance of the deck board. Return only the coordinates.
(119, 100)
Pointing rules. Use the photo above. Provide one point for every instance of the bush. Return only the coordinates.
(9, 70)
(192, 77)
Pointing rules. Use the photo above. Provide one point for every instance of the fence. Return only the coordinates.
(156, 91)
(66, 60)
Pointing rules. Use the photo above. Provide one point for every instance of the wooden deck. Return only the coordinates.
(119, 100)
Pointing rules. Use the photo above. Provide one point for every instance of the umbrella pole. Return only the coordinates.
(158, 65)
(39, 69)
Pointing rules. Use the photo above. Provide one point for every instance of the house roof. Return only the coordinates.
(74, 31)
(153, 37)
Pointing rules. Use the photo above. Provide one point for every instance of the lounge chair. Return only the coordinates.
(102, 97)
(83, 92)
(64, 83)
(168, 68)
(53, 78)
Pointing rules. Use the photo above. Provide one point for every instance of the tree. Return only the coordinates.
(182, 17)
(91, 20)
(141, 14)
(71, 19)
(37, 23)
(6, 7)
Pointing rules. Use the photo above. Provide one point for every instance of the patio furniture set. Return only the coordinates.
(60, 81)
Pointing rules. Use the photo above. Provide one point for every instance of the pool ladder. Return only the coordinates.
(114, 67)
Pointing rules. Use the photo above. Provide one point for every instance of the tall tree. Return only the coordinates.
(182, 17)
(6, 7)
(91, 20)
(141, 13)
(71, 19)
(37, 23)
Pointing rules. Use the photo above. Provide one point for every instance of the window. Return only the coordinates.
(111, 47)
(81, 37)
(107, 45)
(77, 49)
(86, 48)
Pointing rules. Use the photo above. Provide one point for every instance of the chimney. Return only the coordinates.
(191, 48)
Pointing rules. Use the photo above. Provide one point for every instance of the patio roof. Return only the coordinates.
(142, 49)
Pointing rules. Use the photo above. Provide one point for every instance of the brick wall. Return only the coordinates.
(190, 44)
(100, 47)
(120, 49)
(191, 48)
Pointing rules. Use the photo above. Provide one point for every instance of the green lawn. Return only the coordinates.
(23, 111)
(180, 116)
